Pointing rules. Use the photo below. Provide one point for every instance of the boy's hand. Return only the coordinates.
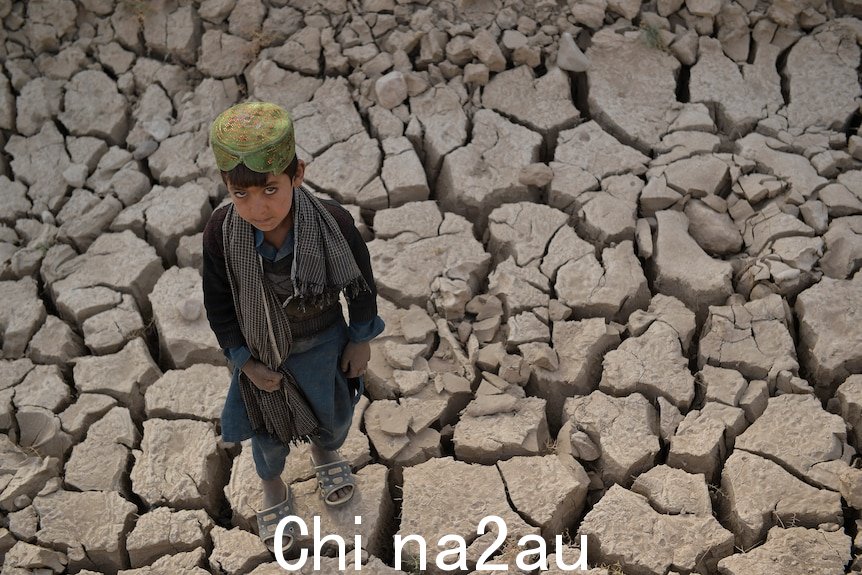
(261, 376)
(354, 358)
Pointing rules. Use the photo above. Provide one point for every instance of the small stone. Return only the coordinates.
(476, 74)
(190, 252)
(391, 89)
(540, 355)
(526, 56)
(485, 48)
(715, 232)
(538, 175)
(583, 447)
(754, 401)
(851, 487)
(849, 397)
(569, 55)
(145, 149)
(76, 175)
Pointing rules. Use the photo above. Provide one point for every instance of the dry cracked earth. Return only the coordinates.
(617, 247)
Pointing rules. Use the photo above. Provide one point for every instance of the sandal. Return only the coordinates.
(333, 476)
(268, 519)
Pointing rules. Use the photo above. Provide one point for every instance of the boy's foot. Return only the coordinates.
(333, 476)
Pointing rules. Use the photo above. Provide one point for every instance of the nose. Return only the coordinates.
(258, 209)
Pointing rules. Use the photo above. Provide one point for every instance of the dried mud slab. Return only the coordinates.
(615, 533)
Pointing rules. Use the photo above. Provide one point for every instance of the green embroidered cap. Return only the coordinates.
(258, 134)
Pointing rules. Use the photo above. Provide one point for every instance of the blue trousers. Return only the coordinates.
(315, 363)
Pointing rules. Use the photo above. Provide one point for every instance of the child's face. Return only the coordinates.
(266, 207)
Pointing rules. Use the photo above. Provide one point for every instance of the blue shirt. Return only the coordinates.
(356, 331)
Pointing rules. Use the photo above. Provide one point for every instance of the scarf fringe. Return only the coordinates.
(316, 297)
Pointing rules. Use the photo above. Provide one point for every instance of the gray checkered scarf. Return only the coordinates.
(323, 265)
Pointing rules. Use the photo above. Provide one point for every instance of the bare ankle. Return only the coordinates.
(274, 491)
(322, 456)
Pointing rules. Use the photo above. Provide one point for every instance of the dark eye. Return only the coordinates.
(271, 190)
(238, 194)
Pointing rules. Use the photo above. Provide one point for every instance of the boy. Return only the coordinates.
(274, 263)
